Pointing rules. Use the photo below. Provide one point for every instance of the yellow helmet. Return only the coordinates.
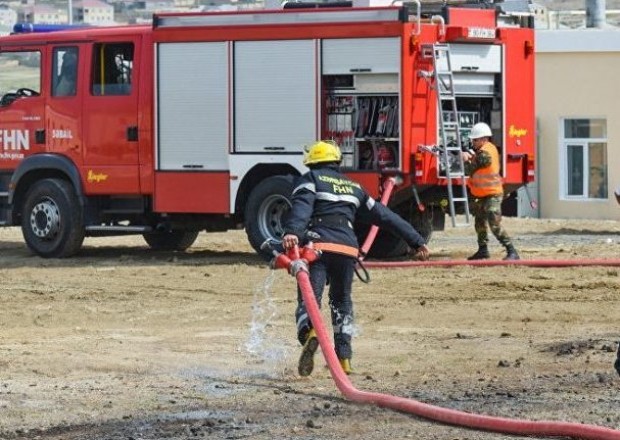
(322, 151)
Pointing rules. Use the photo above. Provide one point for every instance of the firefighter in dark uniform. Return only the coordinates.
(486, 187)
(324, 205)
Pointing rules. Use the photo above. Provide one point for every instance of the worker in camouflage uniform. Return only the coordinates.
(325, 204)
(485, 185)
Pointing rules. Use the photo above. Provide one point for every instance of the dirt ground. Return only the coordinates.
(124, 343)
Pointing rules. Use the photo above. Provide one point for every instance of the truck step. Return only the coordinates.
(119, 228)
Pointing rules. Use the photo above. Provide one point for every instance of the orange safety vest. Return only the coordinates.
(487, 181)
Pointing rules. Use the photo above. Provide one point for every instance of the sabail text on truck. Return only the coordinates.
(199, 122)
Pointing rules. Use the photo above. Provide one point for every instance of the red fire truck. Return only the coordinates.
(199, 121)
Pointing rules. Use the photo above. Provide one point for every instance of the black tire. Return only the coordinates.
(52, 221)
(423, 223)
(170, 240)
(265, 211)
(385, 245)
(388, 245)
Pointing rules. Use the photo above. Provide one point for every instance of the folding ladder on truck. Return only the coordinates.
(450, 148)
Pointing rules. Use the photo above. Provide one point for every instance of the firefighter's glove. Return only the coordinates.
(420, 254)
(289, 241)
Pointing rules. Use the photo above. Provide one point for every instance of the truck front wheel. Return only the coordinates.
(52, 222)
(266, 209)
(170, 240)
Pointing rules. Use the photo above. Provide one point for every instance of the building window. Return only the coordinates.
(585, 158)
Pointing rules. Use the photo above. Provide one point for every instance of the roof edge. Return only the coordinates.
(578, 40)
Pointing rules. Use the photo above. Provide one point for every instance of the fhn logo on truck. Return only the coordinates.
(199, 121)
(13, 143)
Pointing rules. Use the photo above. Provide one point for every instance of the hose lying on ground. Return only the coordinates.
(614, 262)
(444, 415)
(298, 267)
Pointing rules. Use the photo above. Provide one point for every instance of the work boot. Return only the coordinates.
(306, 360)
(511, 253)
(481, 254)
(346, 366)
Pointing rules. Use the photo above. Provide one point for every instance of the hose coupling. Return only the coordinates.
(296, 266)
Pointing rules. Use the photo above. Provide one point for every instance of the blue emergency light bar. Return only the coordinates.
(24, 28)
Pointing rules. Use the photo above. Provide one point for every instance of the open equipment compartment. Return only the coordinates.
(361, 101)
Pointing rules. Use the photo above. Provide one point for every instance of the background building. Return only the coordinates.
(95, 12)
(578, 111)
(42, 13)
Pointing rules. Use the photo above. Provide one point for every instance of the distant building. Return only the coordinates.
(95, 12)
(158, 5)
(42, 13)
(8, 17)
(569, 18)
(184, 3)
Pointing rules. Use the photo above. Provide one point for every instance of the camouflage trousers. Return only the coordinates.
(488, 210)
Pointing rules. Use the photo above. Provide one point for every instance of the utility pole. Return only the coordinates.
(70, 11)
(595, 14)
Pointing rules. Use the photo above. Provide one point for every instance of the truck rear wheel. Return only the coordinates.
(423, 223)
(388, 245)
(52, 222)
(171, 240)
(265, 211)
(385, 245)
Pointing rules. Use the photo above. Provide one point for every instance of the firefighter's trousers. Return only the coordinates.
(337, 271)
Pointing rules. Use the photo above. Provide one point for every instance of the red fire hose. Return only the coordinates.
(531, 263)
(296, 262)
(372, 234)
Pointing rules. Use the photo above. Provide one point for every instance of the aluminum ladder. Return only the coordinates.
(450, 129)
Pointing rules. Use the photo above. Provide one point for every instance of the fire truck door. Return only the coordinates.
(111, 117)
(62, 118)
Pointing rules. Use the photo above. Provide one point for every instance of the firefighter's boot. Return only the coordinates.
(511, 253)
(346, 366)
(481, 254)
(306, 360)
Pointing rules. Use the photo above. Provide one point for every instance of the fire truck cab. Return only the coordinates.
(199, 121)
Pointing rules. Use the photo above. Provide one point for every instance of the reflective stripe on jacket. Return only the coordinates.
(326, 202)
(487, 181)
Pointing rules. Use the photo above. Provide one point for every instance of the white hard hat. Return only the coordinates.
(480, 130)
